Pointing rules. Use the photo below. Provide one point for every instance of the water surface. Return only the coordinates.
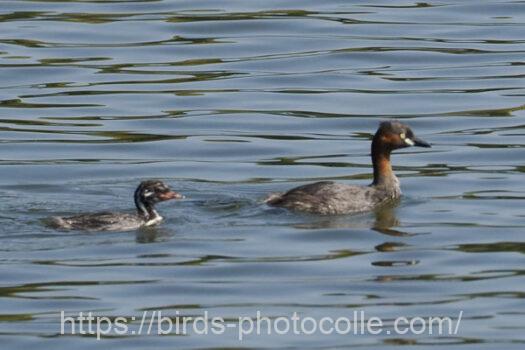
(231, 100)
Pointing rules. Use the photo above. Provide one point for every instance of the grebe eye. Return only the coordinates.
(402, 135)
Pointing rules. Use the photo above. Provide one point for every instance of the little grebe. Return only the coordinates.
(147, 194)
(329, 198)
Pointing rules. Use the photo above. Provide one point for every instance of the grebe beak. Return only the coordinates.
(170, 195)
(420, 143)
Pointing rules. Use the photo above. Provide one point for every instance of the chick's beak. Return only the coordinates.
(420, 143)
(170, 195)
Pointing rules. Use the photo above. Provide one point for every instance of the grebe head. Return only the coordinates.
(149, 193)
(393, 135)
(390, 135)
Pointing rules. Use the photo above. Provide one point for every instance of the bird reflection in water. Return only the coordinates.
(382, 220)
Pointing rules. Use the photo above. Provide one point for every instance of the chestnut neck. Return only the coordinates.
(383, 174)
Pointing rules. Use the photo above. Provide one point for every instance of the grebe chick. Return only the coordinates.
(147, 194)
(330, 198)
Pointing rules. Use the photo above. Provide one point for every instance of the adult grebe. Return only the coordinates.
(329, 198)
